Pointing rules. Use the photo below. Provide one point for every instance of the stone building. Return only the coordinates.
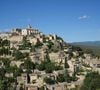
(16, 31)
(5, 35)
(29, 31)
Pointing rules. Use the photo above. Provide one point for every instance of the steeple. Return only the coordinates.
(29, 26)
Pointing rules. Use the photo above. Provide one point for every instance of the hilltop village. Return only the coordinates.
(31, 60)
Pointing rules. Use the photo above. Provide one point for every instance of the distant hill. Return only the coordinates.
(89, 45)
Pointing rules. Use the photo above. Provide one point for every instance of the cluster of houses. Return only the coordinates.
(35, 81)
(33, 35)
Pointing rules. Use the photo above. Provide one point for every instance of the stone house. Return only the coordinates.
(17, 63)
(33, 78)
(29, 31)
(9, 75)
(5, 35)
(31, 87)
(23, 79)
(54, 57)
(16, 31)
(16, 38)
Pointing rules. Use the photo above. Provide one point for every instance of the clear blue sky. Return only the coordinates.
(74, 20)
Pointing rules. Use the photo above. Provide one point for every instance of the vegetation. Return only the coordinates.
(5, 51)
(49, 44)
(66, 64)
(49, 80)
(48, 66)
(58, 67)
(28, 64)
(18, 55)
(25, 45)
(6, 82)
(59, 38)
(91, 82)
(61, 78)
(38, 44)
(4, 47)
(95, 51)
(4, 42)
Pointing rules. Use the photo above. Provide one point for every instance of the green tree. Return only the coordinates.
(67, 76)
(32, 48)
(15, 70)
(18, 55)
(26, 55)
(38, 44)
(66, 64)
(5, 51)
(5, 42)
(49, 80)
(41, 66)
(49, 67)
(5, 84)
(58, 67)
(6, 62)
(2, 73)
(61, 78)
(49, 44)
(29, 65)
(91, 82)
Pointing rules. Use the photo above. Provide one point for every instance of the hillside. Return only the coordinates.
(29, 58)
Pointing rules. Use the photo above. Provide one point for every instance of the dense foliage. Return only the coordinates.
(48, 66)
(91, 82)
